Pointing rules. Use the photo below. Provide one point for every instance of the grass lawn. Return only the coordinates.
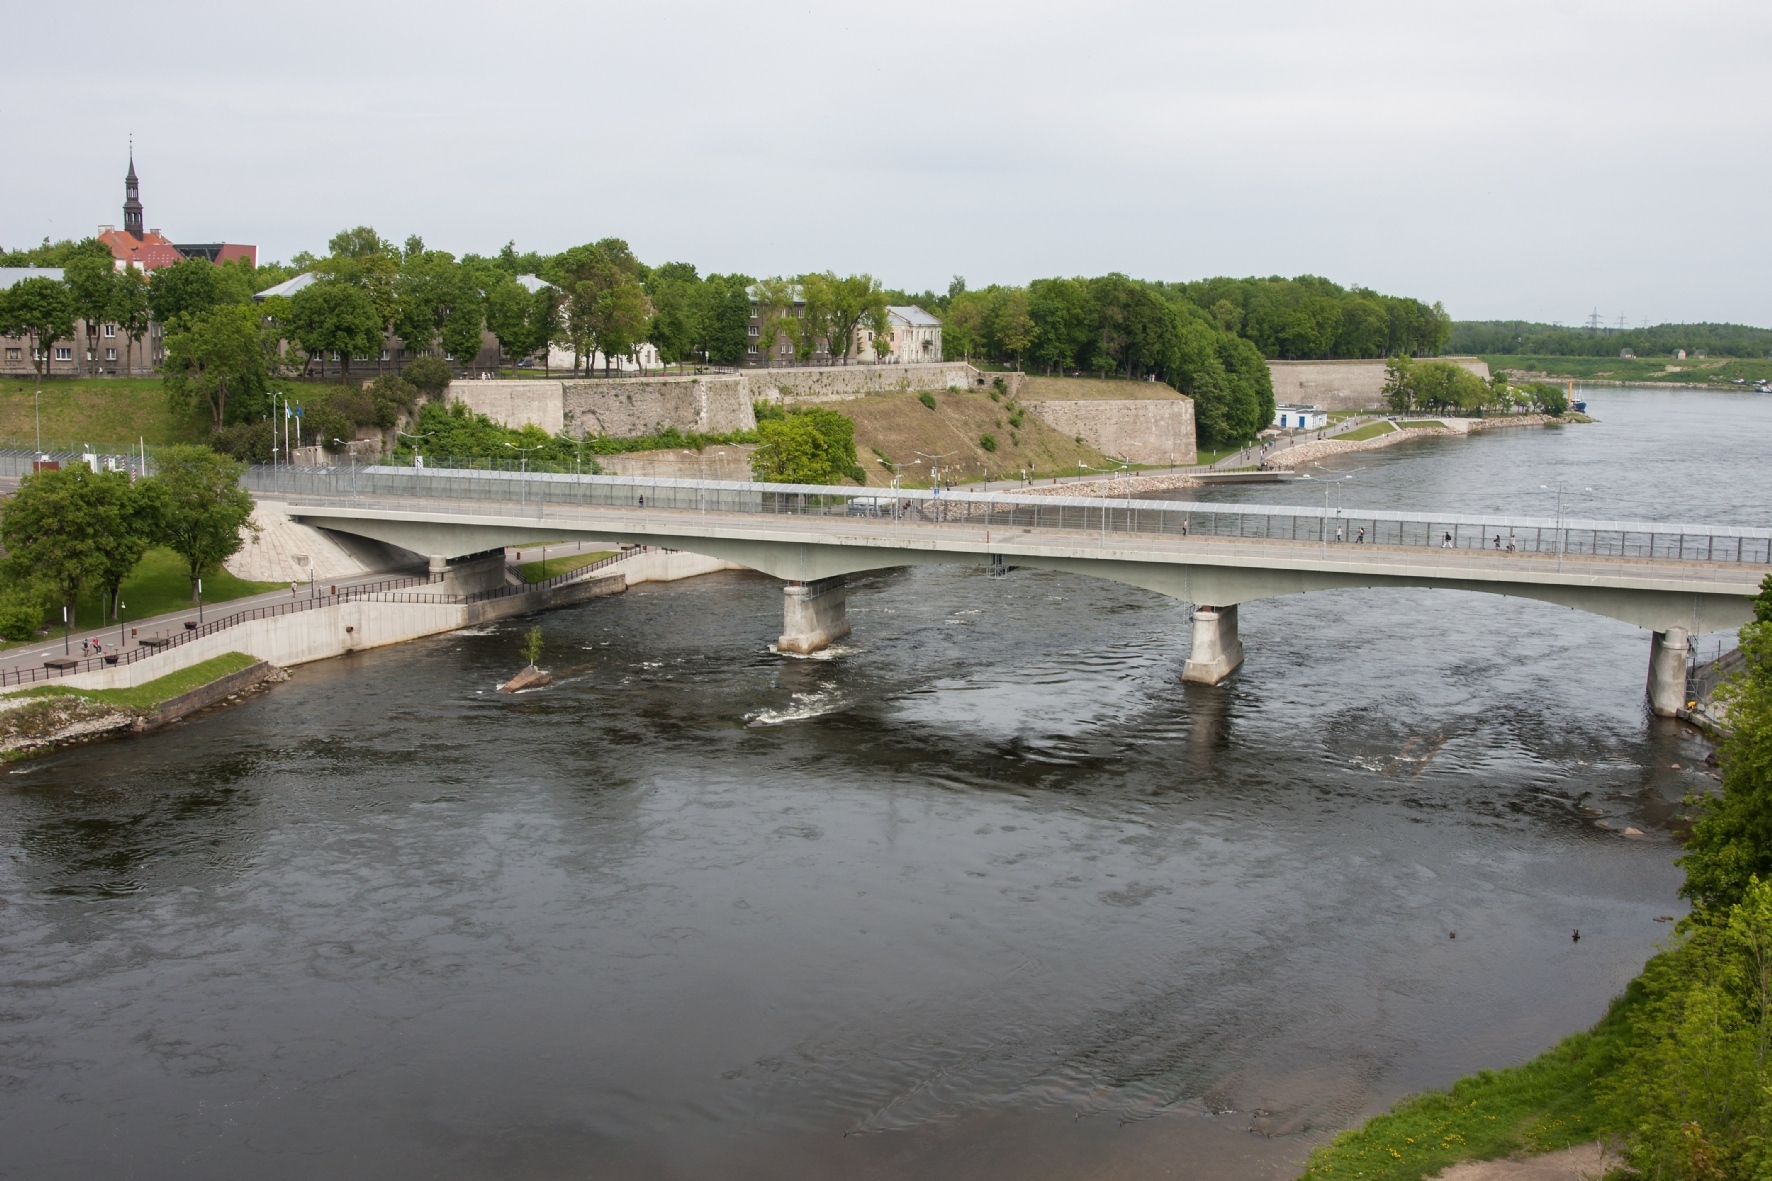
(160, 585)
(1716, 371)
(114, 411)
(554, 567)
(1547, 1104)
(1370, 431)
(152, 693)
(1425, 424)
(1214, 454)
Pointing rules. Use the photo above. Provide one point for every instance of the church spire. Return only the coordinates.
(132, 201)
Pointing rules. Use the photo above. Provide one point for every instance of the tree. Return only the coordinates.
(814, 445)
(74, 528)
(201, 507)
(429, 374)
(774, 300)
(425, 293)
(42, 309)
(92, 280)
(129, 310)
(328, 316)
(215, 355)
(836, 307)
(723, 318)
(183, 289)
(461, 331)
(672, 289)
(1015, 324)
(510, 316)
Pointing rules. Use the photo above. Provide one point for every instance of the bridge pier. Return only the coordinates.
(1667, 671)
(814, 615)
(1217, 651)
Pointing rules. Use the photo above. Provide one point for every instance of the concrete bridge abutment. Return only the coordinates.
(1216, 649)
(814, 615)
(1667, 671)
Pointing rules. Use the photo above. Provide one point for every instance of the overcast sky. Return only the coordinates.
(1535, 160)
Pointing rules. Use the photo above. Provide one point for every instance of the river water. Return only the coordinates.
(985, 892)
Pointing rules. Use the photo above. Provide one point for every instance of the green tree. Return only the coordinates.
(200, 507)
(723, 318)
(184, 289)
(39, 308)
(426, 290)
(328, 316)
(428, 374)
(672, 288)
(215, 356)
(1015, 325)
(74, 528)
(510, 316)
(91, 277)
(774, 300)
(836, 307)
(129, 310)
(814, 445)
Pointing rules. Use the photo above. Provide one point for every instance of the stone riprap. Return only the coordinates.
(1342, 385)
(1148, 430)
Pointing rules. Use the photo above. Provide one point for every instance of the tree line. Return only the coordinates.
(1524, 338)
(1444, 387)
(74, 530)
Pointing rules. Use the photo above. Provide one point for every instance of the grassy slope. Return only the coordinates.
(1693, 371)
(114, 410)
(900, 426)
(160, 585)
(152, 693)
(1549, 1103)
(554, 567)
(1370, 431)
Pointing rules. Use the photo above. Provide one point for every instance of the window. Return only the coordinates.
(110, 330)
(110, 354)
(384, 354)
(89, 354)
(64, 353)
(756, 331)
(15, 354)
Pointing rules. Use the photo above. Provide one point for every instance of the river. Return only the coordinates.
(985, 892)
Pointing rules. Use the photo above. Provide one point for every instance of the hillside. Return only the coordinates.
(899, 426)
(1714, 371)
(118, 411)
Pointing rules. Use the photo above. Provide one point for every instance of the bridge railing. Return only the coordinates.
(534, 495)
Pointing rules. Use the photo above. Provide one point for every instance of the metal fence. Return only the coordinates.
(22, 461)
(390, 590)
(534, 494)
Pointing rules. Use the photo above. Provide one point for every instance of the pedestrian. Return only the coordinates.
(1510, 543)
(85, 647)
(1360, 537)
(1338, 538)
(642, 502)
(292, 590)
(1498, 541)
(1446, 541)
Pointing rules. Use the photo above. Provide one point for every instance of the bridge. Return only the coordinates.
(1675, 580)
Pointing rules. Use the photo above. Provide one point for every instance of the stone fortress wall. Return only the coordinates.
(1343, 385)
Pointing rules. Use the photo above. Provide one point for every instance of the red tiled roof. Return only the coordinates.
(147, 252)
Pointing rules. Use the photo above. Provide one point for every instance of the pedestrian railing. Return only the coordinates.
(534, 495)
(390, 590)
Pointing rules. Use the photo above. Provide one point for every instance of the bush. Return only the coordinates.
(927, 398)
(21, 612)
(988, 442)
(1548, 398)
(430, 375)
(768, 410)
(390, 397)
(248, 442)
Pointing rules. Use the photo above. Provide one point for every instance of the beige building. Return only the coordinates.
(914, 336)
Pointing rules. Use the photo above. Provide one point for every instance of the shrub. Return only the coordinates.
(988, 442)
(995, 396)
(766, 411)
(390, 397)
(21, 612)
(998, 385)
(927, 398)
(248, 442)
(430, 375)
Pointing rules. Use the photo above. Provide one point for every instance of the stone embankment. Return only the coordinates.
(1304, 453)
(31, 724)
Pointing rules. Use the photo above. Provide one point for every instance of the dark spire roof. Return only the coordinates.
(132, 202)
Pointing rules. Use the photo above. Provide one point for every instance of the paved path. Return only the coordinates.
(33, 655)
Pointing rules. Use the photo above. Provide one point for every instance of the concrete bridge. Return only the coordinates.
(1676, 580)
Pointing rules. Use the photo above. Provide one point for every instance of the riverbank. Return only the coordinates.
(48, 717)
(1412, 428)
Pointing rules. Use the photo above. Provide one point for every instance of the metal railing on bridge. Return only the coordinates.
(534, 494)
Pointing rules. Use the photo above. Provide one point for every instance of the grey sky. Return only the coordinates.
(1512, 159)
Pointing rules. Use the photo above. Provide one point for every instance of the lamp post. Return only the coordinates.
(419, 460)
(121, 639)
